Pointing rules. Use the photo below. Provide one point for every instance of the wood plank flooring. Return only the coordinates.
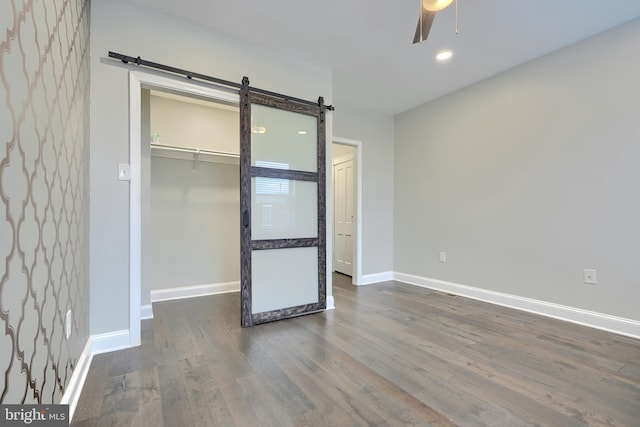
(389, 355)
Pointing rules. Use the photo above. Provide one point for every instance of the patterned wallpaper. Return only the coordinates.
(44, 158)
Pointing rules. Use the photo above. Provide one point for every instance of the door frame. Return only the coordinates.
(139, 80)
(356, 278)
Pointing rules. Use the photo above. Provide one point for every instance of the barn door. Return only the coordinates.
(282, 202)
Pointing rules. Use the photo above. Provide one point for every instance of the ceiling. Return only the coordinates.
(368, 43)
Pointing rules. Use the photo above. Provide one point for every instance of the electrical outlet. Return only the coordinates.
(443, 257)
(590, 276)
(67, 324)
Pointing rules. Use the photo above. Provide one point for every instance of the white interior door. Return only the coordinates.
(343, 215)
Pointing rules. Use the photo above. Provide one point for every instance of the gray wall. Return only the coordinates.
(44, 201)
(195, 223)
(375, 131)
(529, 177)
(120, 26)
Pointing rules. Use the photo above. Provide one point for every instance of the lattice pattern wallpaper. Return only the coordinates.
(44, 134)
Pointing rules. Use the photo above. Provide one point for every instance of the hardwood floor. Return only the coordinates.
(390, 354)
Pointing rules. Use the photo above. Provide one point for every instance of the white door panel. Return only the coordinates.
(343, 216)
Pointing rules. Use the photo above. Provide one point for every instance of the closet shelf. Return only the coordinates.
(195, 154)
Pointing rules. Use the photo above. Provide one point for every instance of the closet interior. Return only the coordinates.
(194, 193)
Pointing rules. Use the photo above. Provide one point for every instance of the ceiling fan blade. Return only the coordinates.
(427, 20)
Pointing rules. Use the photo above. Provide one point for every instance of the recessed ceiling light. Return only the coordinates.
(444, 55)
(302, 132)
(258, 129)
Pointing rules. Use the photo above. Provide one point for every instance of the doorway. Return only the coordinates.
(343, 209)
(138, 214)
(347, 208)
(137, 82)
(190, 244)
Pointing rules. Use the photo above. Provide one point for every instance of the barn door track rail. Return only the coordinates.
(191, 75)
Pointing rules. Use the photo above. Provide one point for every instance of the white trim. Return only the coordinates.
(76, 383)
(377, 277)
(146, 312)
(606, 322)
(110, 341)
(341, 159)
(135, 208)
(204, 90)
(357, 277)
(137, 81)
(194, 291)
(330, 303)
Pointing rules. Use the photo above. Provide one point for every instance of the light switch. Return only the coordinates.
(124, 171)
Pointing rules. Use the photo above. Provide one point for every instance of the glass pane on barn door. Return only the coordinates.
(283, 208)
(283, 139)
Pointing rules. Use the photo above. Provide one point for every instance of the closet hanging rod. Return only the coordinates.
(194, 150)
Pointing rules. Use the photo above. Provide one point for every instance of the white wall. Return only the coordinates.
(194, 207)
(119, 26)
(529, 177)
(187, 124)
(375, 130)
(195, 223)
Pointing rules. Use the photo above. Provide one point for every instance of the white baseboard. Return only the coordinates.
(330, 303)
(110, 341)
(368, 279)
(194, 291)
(146, 312)
(74, 387)
(618, 325)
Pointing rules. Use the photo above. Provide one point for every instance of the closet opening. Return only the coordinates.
(174, 264)
(194, 196)
(190, 196)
